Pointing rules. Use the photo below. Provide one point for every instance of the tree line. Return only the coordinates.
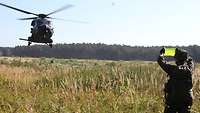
(93, 51)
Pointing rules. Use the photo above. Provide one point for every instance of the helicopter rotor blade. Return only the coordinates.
(61, 9)
(17, 9)
(74, 21)
(31, 18)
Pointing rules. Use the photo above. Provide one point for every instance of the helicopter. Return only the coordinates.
(41, 31)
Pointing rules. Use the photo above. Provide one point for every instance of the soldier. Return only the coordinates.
(178, 88)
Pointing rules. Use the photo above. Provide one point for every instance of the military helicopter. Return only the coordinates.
(41, 31)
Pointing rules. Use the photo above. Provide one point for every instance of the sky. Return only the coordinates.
(124, 22)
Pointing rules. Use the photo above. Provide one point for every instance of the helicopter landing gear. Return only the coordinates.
(50, 45)
(29, 43)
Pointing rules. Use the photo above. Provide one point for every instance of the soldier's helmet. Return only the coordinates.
(181, 55)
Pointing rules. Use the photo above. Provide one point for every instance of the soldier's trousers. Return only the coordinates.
(182, 109)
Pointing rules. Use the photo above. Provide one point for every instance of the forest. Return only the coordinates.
(97, 51)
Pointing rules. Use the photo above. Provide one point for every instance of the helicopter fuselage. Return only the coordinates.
(42, 31)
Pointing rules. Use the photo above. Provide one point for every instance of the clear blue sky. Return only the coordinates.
(129, 22)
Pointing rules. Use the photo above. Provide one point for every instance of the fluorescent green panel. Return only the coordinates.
(169, 51)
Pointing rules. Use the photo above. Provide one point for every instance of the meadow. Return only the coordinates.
(49, 85)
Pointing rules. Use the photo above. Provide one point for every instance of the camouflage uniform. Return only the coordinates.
(178, 88)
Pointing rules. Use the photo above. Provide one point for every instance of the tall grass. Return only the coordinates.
(42, 85)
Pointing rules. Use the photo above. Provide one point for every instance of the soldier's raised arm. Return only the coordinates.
(163, 63)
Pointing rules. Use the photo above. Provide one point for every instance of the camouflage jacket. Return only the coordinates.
(179, 83)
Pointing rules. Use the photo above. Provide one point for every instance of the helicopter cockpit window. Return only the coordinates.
(39, 22)
(49, 23)
(33, 23)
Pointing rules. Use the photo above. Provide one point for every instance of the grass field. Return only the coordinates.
(42, 85)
